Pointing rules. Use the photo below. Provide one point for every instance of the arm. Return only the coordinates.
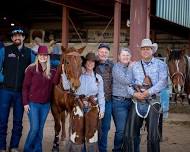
(163, 80)
(120, 76)
(66, 83)
(2, 56)
(26, 86)
(101, 98)
(130, 86)
(57, 75)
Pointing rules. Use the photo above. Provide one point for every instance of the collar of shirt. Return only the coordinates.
(122, 65)
(150, 62)
(90, 74)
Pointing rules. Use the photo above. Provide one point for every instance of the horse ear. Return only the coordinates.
(168, 50)
(81, 49)
(183, 51)
(63, 49)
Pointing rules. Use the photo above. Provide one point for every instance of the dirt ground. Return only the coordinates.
(176, 134)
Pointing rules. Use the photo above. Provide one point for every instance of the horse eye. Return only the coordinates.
(66, 62)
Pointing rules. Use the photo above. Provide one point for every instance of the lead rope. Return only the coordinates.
(152, 105)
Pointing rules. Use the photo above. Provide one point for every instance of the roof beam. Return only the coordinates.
(83, 7)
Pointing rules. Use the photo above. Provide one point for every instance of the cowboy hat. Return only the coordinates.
(90, 56)
(148, 43)
(43, 50)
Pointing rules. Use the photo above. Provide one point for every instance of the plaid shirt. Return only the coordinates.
(156, 70)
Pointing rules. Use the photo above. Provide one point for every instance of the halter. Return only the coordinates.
(178, 73)
(74, 53)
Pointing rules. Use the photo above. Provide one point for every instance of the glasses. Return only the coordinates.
(17, 31)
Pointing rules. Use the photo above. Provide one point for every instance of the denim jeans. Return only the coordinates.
(121, 107)
(164, 100)
(105, 127)
(8, 99)
(37, 117)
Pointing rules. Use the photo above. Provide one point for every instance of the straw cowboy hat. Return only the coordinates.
(148, 43)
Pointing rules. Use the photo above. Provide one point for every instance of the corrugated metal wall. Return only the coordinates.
(177, 11)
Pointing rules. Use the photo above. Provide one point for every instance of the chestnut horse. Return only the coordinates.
(179, 71)
(63, 100)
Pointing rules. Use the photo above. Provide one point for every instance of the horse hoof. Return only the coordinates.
(55, 149)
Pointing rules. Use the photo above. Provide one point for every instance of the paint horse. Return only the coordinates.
(60, 98)
(179, 72)
(83, 126)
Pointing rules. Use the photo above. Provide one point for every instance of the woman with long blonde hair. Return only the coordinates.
(36, 98)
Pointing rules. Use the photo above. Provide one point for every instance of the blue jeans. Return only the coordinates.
(37, 117)
(105, 127)
(121, 107)
(8, 99)
(164, 100)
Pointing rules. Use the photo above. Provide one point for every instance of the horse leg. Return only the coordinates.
(57, 128)
(63, 119)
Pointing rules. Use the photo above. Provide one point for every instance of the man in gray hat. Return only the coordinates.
(149, 77)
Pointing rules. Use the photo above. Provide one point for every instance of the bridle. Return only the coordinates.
(183, 75)
(73, 53)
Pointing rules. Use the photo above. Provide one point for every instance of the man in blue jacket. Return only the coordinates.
(13, 61)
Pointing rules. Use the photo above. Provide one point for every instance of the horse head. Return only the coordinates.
(177, 69)
(71, 58)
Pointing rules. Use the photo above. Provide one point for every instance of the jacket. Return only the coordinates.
(13, 64)
(36, 87)
(105, 70)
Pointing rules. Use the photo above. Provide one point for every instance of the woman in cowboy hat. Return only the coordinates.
(149, 77)
(91, 86)
(36, 98)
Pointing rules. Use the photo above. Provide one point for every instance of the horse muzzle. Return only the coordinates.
(75, 84)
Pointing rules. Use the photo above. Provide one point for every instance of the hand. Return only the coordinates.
(27, 108)
(63, 67)
(83, 70)
(101, 115)
(145, 94)
(139, 95)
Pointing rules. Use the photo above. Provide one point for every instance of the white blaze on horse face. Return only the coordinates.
(177, 65)
(78, 111)
(73, 136)
(94, 138)
(189, 96)
(179, 88)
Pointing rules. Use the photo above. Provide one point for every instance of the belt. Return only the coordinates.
(122, 98)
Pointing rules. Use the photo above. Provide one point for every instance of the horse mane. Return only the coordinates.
(175, 54)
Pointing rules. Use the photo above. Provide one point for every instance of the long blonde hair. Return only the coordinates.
(47, 72)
